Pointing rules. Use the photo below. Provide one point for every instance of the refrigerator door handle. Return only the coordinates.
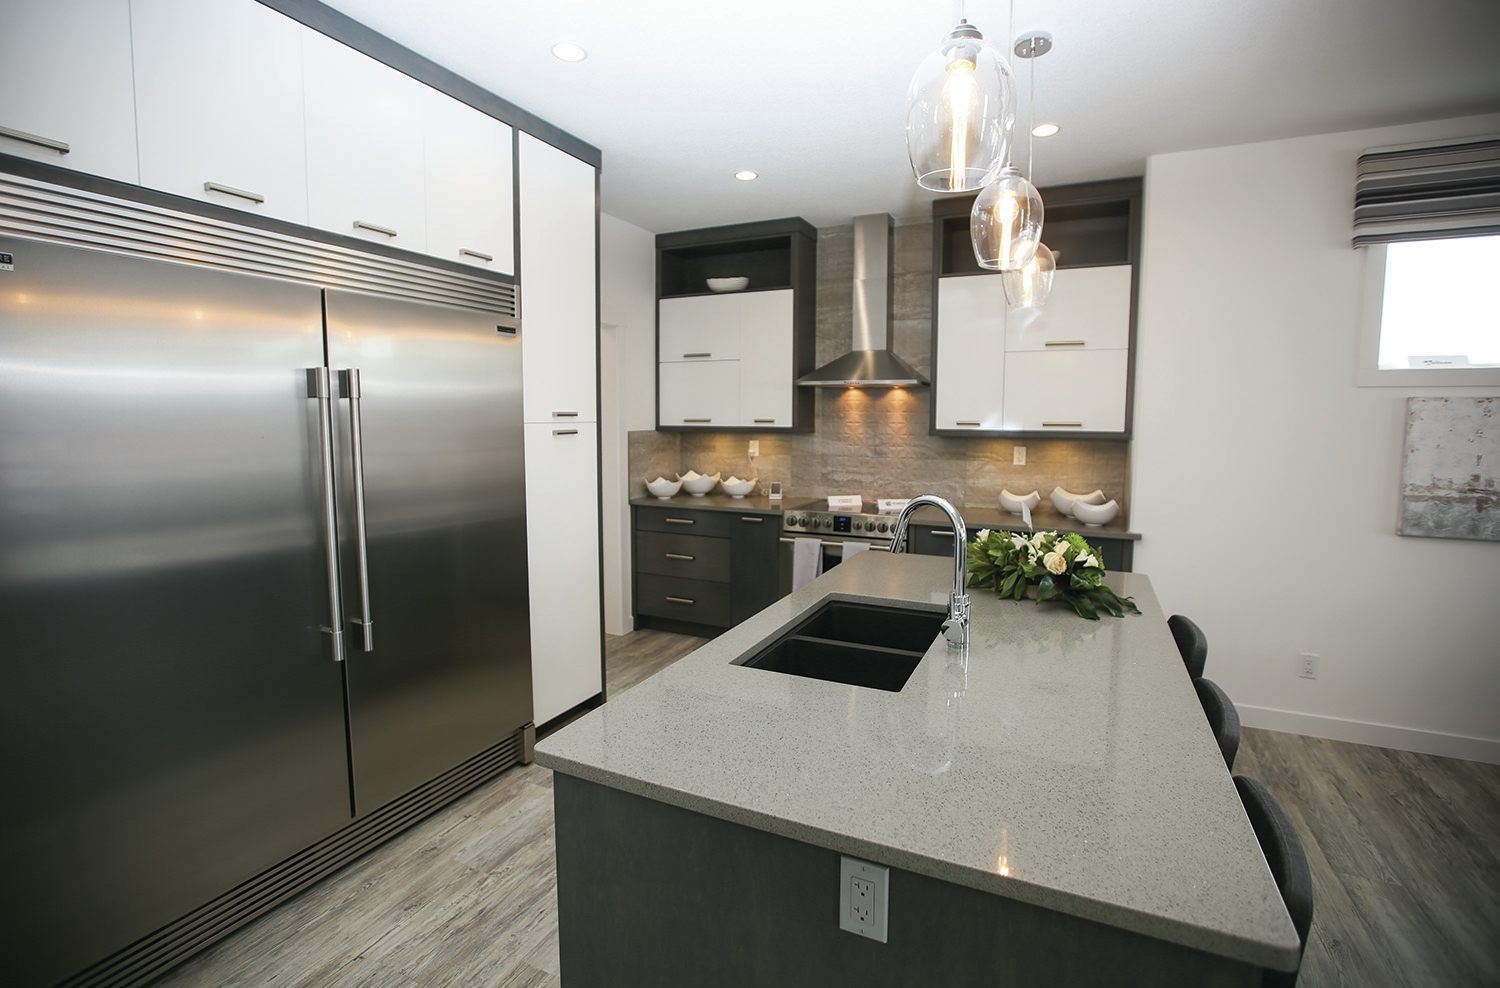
(318, 388)
(349, 386)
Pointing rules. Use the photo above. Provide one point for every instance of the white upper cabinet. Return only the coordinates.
(701, 327)
(470, 186)
(559, 322)
(1071, 391)
(219, 104)
(366, 175)
(702, 393)
(971, 356)
(1089, 309)
(67, 98)
(766, 359)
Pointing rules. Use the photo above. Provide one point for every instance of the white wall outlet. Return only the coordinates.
(754, 448)
(864, 894)
(1307, 665)
(1018, 456)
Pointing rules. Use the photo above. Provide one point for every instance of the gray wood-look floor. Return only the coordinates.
(1404, 850)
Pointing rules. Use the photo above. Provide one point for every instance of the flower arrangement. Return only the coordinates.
(1051, 566)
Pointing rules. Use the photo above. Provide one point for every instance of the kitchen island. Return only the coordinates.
(1051, 806)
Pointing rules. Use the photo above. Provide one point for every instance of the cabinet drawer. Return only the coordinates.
(697, 601)
(1089, 309)
(692, 557)
(930, 541)
(715, 524)
(1066, 391)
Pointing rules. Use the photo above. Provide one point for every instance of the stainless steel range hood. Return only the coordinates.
(870, 364)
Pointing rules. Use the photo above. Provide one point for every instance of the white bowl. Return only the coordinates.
(663, 488)
(728, 284)
(1094, 515)
(1012, 502)
(737, 488)
(1063, 500)
(698, 484)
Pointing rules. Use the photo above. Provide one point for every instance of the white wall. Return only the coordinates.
(627, 304)
(1265, 482)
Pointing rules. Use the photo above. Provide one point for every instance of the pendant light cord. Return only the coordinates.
(1031, 126)
(1010, 60)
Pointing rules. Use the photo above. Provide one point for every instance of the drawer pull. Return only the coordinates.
(681, 557)
(1066, 343)
(229, 190)
(752, 519)
(679, 521)
(943, 533)
(681, 600)
(765, 421)
(565, 432)
(695, 356)
(61, 147)
(1062, 425)
(966, 422)
(374, 228)
(696, 421)
(478, 255)
(565, 415)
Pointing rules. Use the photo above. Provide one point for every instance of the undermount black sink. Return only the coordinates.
(857, 644)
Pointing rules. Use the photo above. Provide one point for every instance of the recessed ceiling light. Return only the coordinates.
(746, 175)
(569, 52)
(1045, 130)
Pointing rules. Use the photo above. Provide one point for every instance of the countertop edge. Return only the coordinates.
(1135, 921)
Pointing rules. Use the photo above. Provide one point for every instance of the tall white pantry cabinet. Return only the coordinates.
(559, 356)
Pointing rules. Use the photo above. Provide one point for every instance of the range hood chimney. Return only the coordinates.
(870, 364)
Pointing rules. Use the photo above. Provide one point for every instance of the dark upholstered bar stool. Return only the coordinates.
(1223, 718)
(1282, 846)
(1191, 642)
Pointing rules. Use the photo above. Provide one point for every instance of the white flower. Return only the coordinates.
(1087, 559)
(982, 534)
(1036, 540)
(1055, 563)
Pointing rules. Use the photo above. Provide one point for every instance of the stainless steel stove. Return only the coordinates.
(865, 525)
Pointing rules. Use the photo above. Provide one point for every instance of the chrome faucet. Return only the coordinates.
(956, 628)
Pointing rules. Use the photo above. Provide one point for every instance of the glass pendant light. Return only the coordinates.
(1030, 286)
(960, 108)
(1005, 223)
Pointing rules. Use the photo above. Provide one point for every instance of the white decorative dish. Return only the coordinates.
(699, 484)
(1012, 502)
(1094, 515)
(737, 488)
(663, 488)
(728, 284)
(1063, 500)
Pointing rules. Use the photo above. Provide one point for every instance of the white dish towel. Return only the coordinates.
(807, 562)
(852, 549)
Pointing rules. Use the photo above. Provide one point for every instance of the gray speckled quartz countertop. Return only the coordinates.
(1065, 763)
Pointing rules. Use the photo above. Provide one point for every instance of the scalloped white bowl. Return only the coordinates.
(1094, 515)
(1063, 500)
(699, 484)
(728, 284)
(663, 488)
(1012, 502)
(737, 488)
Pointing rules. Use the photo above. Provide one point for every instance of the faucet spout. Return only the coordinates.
(956, 628)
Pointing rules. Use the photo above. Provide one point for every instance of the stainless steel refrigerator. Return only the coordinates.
(262, 577)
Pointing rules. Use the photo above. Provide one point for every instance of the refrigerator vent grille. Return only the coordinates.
(148, 957)
(79, 218)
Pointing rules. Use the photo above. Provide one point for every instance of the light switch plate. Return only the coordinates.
(1018, 456)
(864, 896)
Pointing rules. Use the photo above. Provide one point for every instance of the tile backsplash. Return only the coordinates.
(875, 442)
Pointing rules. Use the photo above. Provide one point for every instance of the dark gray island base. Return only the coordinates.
(652, 895)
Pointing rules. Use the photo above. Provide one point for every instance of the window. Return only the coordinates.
(1433, 312)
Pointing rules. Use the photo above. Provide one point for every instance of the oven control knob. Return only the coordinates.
(826, 523)
(883, 526)
(857, 526)
(791, 521)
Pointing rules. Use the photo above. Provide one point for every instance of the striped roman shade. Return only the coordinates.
(1428, 191)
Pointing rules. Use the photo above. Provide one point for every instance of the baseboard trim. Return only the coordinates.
(1365, 732)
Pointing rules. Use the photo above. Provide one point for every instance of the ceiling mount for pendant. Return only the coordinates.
(1033, 45)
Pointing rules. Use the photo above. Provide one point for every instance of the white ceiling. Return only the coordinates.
(811, 93)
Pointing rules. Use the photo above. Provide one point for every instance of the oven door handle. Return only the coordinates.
(834, 545)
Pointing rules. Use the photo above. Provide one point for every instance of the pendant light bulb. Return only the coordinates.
(1030, 286)
(960, 109)
(1005, 223)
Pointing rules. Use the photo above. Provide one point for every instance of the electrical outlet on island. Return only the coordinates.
(864, 894)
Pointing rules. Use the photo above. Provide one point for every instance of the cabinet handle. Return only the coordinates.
(752, 519)
(1062, 425)
(680, 557)
(565, 415)
(61, 147)
(1066, 343)
(696, 421)
(230, 190)
(942, 533)
(679, 521)
(765, 421)
(565, 432)
(681, 600)
(478, 255)
(695, 356)
(967, 422)
(374, 228)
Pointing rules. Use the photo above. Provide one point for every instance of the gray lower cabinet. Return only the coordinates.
(709, 569)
